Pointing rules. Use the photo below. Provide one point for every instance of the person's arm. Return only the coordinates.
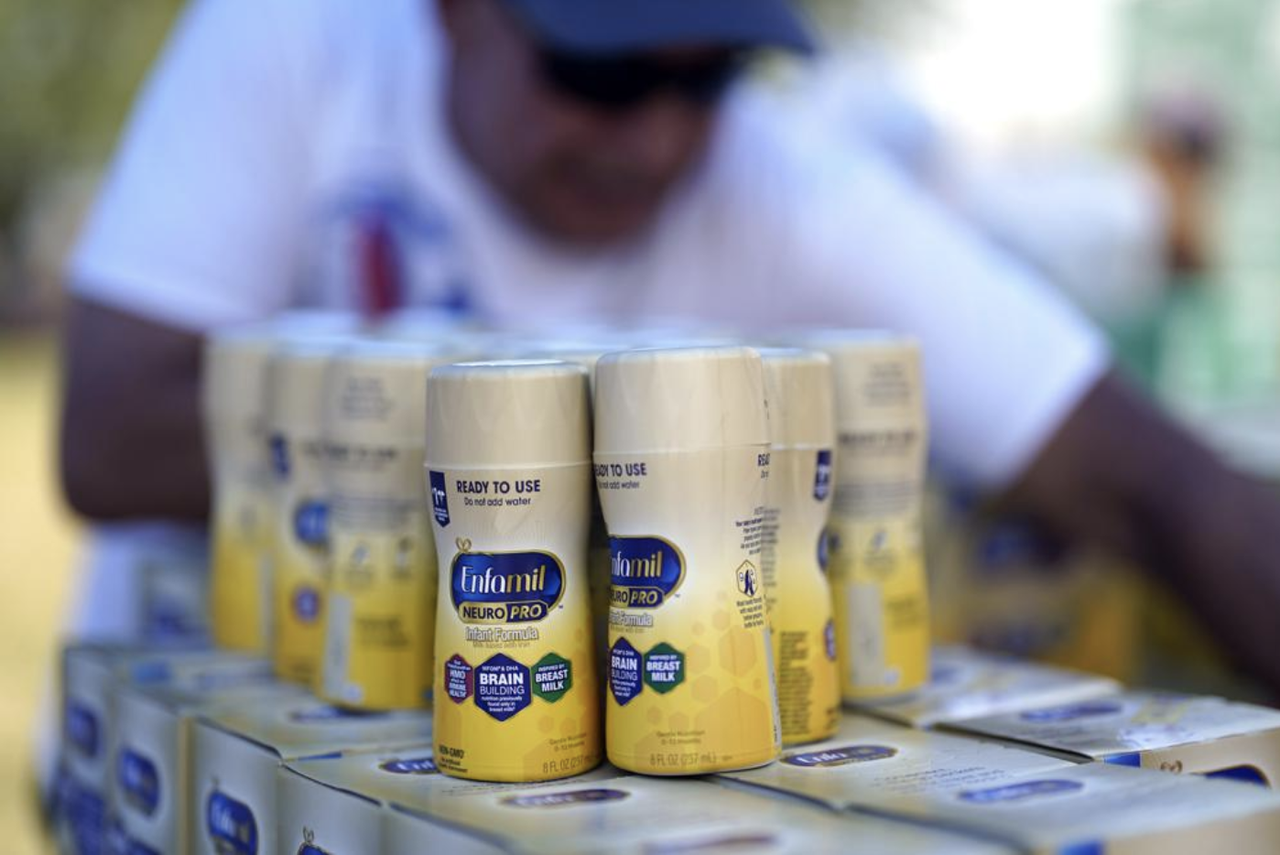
(199, 223)
(1120, 473)
(131, 444)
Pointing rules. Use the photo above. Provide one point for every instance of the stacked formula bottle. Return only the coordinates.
(572, 548)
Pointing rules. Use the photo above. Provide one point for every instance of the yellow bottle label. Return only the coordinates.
(240, 583)
(690, 678)
(516, 692)
(881, 606)
(380, 632)
(799, 598)
(300, 559)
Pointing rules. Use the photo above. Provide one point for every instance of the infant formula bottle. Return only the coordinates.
(242, 525)
(295, 401)
(509, 476)
(380, 614)
(681, 462)
(233, 401)
(794, 559)
(878, 582)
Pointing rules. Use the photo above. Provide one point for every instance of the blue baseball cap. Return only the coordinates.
(627, 26)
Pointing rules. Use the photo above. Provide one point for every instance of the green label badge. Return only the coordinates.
(552, 677)
(663, 668)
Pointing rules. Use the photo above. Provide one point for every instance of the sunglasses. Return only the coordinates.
(625, 82)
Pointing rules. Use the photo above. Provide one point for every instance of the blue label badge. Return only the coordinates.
(624, 672)
(502, 687)
(306, 603)
(505, 587)
(1069, 712)
(279, 455)
(412, 766)
(231, 825)
(644, 571)
(80, 724)
(573, 797)
(439, 498)
(822, 476)
(139, 780)
(311, 524)
(839, 756)
(1020, 791)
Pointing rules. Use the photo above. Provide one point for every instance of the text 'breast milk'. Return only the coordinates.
(877, 561)
(380, 627)
(802, 431)
(508, 475)
(681, 462)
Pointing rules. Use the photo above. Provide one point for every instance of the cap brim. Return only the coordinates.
(622, 26)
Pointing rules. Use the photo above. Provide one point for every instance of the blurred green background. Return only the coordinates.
(68, 71)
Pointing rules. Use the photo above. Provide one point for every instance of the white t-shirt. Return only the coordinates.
(286, 152)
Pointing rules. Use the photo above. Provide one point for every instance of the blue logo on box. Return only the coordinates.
(574, 797)
(1020, 791)
(231, 826)
(503, 687)
(840, 756)
(413, 766)
(644, 571)
(439, 498)
(822, 476)
(80, 724)
(624, 672)
(505, 587)
(1070, 712)
(139, 780)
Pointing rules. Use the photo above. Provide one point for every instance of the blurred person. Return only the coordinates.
(553, 161)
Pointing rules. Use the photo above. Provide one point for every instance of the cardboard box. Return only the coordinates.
(966, 684)
(1098, 807)
(635, 814)
(237, 753)
(153, 759)
(336, 803)
(93, 676)
(871, 763)
(1174, 733)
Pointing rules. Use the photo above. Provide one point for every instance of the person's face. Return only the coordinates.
(577, 171)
